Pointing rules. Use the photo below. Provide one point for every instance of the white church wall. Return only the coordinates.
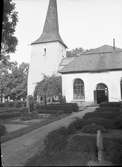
(44, 62)
(111, 79)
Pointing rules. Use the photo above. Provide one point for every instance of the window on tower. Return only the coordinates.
(44, 54)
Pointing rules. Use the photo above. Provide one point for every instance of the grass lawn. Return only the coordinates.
(14, 127)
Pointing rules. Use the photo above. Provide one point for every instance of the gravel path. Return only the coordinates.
(16, 152)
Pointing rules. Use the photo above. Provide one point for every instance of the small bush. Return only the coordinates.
(92, 128)
(2, 130)
(56, 140)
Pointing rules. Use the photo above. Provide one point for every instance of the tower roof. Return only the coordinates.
(51, 28)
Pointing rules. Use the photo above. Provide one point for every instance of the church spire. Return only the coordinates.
(51, 28)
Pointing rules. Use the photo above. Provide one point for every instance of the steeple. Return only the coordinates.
(51, 28)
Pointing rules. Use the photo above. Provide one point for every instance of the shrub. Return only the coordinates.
(92, 128)
(2, 130)
(56, 140)
(75, 126)
(107, 123)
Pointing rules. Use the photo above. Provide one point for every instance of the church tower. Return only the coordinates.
(47, 51)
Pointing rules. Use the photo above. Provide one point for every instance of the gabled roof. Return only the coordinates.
(51, 28)
(101, 59)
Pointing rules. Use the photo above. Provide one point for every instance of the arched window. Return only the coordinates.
(78, 89)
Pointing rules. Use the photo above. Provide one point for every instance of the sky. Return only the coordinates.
(82, 23)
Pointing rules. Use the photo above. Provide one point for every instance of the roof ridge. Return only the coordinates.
(117, 51)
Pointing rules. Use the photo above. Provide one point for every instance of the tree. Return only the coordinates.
(9, 41)
(49, 87)
(13, 80)
(74, 52)
(18, 81)
(4, 77)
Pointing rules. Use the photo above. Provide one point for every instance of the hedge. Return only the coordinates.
(107, 123)
(29, 116)
(43, 111)
(92, 128)
(2, 130)
(13, 109)
(111, 104)
(12, 113)
(106, 115)
(9, 115)
(67, 107)
(108, 109)
(15, 104)
(75, 126)
(56, 140)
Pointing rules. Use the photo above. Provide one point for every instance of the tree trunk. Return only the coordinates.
(45, 100)
(28, 104)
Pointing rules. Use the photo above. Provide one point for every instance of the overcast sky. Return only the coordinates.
(82, 23)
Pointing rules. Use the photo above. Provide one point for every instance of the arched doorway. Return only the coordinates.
(78, 89)
(101, 93)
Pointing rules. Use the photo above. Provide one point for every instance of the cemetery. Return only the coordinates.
(64, 108)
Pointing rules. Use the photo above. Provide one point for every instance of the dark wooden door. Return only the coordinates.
(101, 96)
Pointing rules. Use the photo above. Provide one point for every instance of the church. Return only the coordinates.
(94, 76)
